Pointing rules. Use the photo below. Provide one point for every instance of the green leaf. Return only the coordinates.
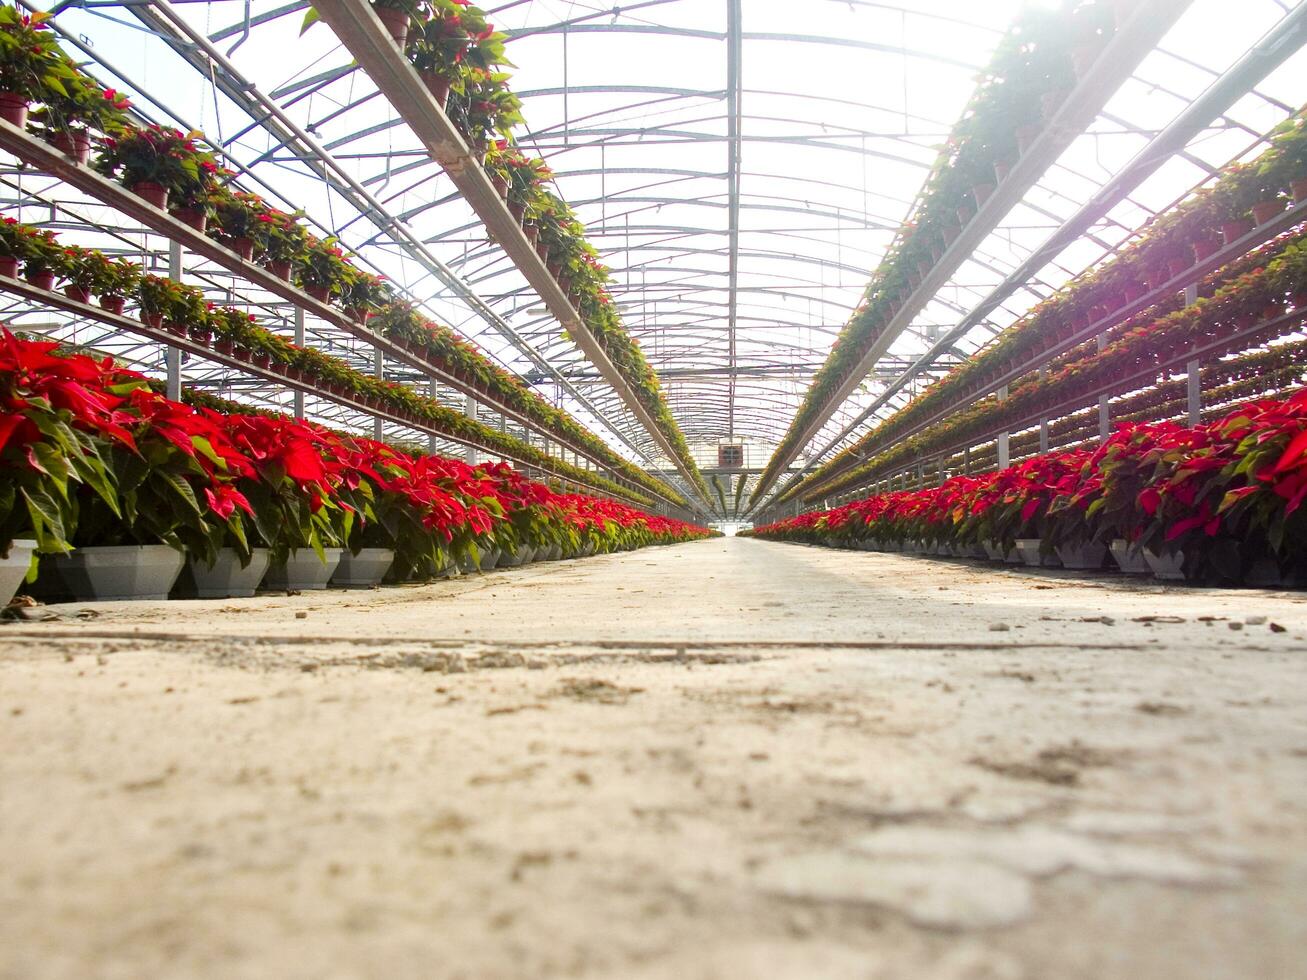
(47, 521)
(183, 490)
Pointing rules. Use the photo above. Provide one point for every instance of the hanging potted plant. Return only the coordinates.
(12, 246)
(364, 295)
(241, 222)
(325, 272)
(157, 163)
(1289, 141)
(76, 271)
(156, 295)
(67, 121)
(32, 67)
(483, 108)
(230, 326)
(454, 38)
(112, 280)
(41, 254)
(287, 242)
(397, 16)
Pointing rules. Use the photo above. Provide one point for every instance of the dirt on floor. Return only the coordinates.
(726, 759)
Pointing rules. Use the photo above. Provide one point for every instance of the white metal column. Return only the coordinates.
(173, 355)
(470, 410)
(431, 438)
(1193, 371)
(379, 369)
(299, 342)
(1004, 456)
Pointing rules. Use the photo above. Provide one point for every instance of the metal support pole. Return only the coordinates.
(299, 342)
(1194, 386)
(1004, 457)
(173, 355)
(431, 438)
(470, 410)
(1104, 409)
(379, 369)
(966, 460)
(1043, 422)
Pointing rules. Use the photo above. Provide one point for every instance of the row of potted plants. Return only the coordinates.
(559, 239)
(441, 346)
(1033, 69)
(457, 54)
(182, 309)
(1264, 293)
(91, 457)
(1244, 195)
(164, 166)
(172, 170)
(1220, 502)
(1261, 373)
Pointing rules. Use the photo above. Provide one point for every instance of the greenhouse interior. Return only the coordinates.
(683, 489)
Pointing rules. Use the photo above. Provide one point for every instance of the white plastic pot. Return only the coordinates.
(1265, 574)
(119, 572)
(1129, 558)
(555, 553)
(14, 566)
(1168, 568)
(364, 570)
(523, 555)
(303, 571)
(1083, 557)
(490, 558)
(225, 579)
(590, 548)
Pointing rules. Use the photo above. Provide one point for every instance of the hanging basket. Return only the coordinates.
(1264, 211)
(76, 144)
(13, 109)
(395, 22)
(44, 279)
(196, 218)
(438, 86)
(151, 193)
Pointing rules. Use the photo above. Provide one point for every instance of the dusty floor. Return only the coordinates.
(727, 759)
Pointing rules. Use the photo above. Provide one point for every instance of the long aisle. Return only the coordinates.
(724, 759)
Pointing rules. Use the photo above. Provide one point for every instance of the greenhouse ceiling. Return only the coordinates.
(742, 167)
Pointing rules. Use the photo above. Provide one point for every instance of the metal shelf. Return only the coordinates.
(189, 344)
(1080, 400)
(1129, 45)
(52, 161)
(1194, 274)
(364, 36)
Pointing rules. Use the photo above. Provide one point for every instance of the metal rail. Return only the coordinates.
(1269, 53)
(1194, 274)
(1074, 403)
(125, 324)
(49, 160)
(364, 36)
(198, 51)
(1139, 35)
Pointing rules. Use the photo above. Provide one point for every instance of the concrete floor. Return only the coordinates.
(723, 759)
